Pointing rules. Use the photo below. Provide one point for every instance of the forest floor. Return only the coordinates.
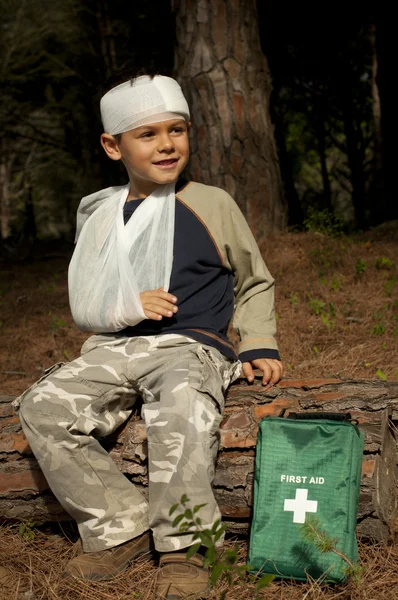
(35, 573)
(337, 315)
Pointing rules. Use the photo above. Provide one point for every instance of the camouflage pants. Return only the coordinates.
(182, 384)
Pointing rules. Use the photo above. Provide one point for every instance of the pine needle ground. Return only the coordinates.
(337, 311)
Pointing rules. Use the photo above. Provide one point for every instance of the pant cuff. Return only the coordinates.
(94, 544)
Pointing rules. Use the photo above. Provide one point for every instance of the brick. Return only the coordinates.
(237, 439)
(272, 408)
(5, 423)
(6, 410)
(368, 468)
(306, 383)
(374, 418)
(137, 432)
(14, 442)
(33, 481)
(329, 396)
(233, 471)
(236, 421)
(135, 452)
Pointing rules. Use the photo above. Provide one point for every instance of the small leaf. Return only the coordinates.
(232, 556)
(211, 555)
(198, 507)
(193, 550)
(173, 509)
(177, 520)
(184, 499)
(381, 374)
(215, 526)
(264, 581)
(188, 514)
(206, 542)
(216, 572)
(220, 533)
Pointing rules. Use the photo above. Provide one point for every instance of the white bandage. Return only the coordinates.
(142, 101)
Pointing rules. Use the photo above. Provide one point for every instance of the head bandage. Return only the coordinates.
(142, 101)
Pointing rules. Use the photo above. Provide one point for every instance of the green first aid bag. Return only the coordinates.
(308, 470)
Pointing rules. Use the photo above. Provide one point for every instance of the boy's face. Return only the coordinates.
(152, 154)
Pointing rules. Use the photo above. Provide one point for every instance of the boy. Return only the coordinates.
(168, 347)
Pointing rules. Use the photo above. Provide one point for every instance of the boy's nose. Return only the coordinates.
(166, 144)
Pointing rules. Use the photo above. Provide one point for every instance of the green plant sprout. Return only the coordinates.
(326, 313)
(324, 221)
(389, 285)
(385, 263)
(360, 268)
(294, 298)
(381, 375)
(223, 563)
(313, 533)
(25, 530)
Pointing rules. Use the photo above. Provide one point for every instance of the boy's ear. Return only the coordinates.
(111, 146)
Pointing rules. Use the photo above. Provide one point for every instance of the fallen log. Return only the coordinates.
(25, 495)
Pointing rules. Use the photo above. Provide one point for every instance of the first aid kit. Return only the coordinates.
(307, 482)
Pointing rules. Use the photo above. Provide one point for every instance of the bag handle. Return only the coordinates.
(319, 415)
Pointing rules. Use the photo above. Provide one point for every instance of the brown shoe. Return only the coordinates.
(108, 563)
(181, 578)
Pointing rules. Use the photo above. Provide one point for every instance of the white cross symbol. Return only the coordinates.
(300, 505)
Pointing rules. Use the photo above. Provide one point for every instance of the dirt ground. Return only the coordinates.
(34, 570)
(337, 315)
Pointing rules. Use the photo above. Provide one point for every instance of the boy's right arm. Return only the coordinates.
(158, 304)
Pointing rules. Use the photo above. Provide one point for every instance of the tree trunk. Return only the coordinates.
(321, 137)
(226, 80)
(106, 36)
(295, 211)
(356, 157)
(378, 140)
(24, 492)
(6, 164)
(385, 46)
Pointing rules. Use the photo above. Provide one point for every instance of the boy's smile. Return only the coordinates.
(152, 154)
(168, 163)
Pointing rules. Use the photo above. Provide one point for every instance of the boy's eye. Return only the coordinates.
(146, 134)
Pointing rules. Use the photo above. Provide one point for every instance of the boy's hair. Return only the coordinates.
(123, 76)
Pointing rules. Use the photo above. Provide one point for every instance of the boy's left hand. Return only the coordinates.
(272, 370)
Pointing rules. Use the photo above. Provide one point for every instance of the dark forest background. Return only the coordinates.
(331, 103)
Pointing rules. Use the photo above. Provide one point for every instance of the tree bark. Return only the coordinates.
(226, 80)
(378, 139)
(24, 492)
(321, 137)
(356, 158)
(385, 45)
(6, 164)
(295, 211)
(106, 36)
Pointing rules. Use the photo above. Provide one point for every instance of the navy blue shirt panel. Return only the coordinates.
(203, 287)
